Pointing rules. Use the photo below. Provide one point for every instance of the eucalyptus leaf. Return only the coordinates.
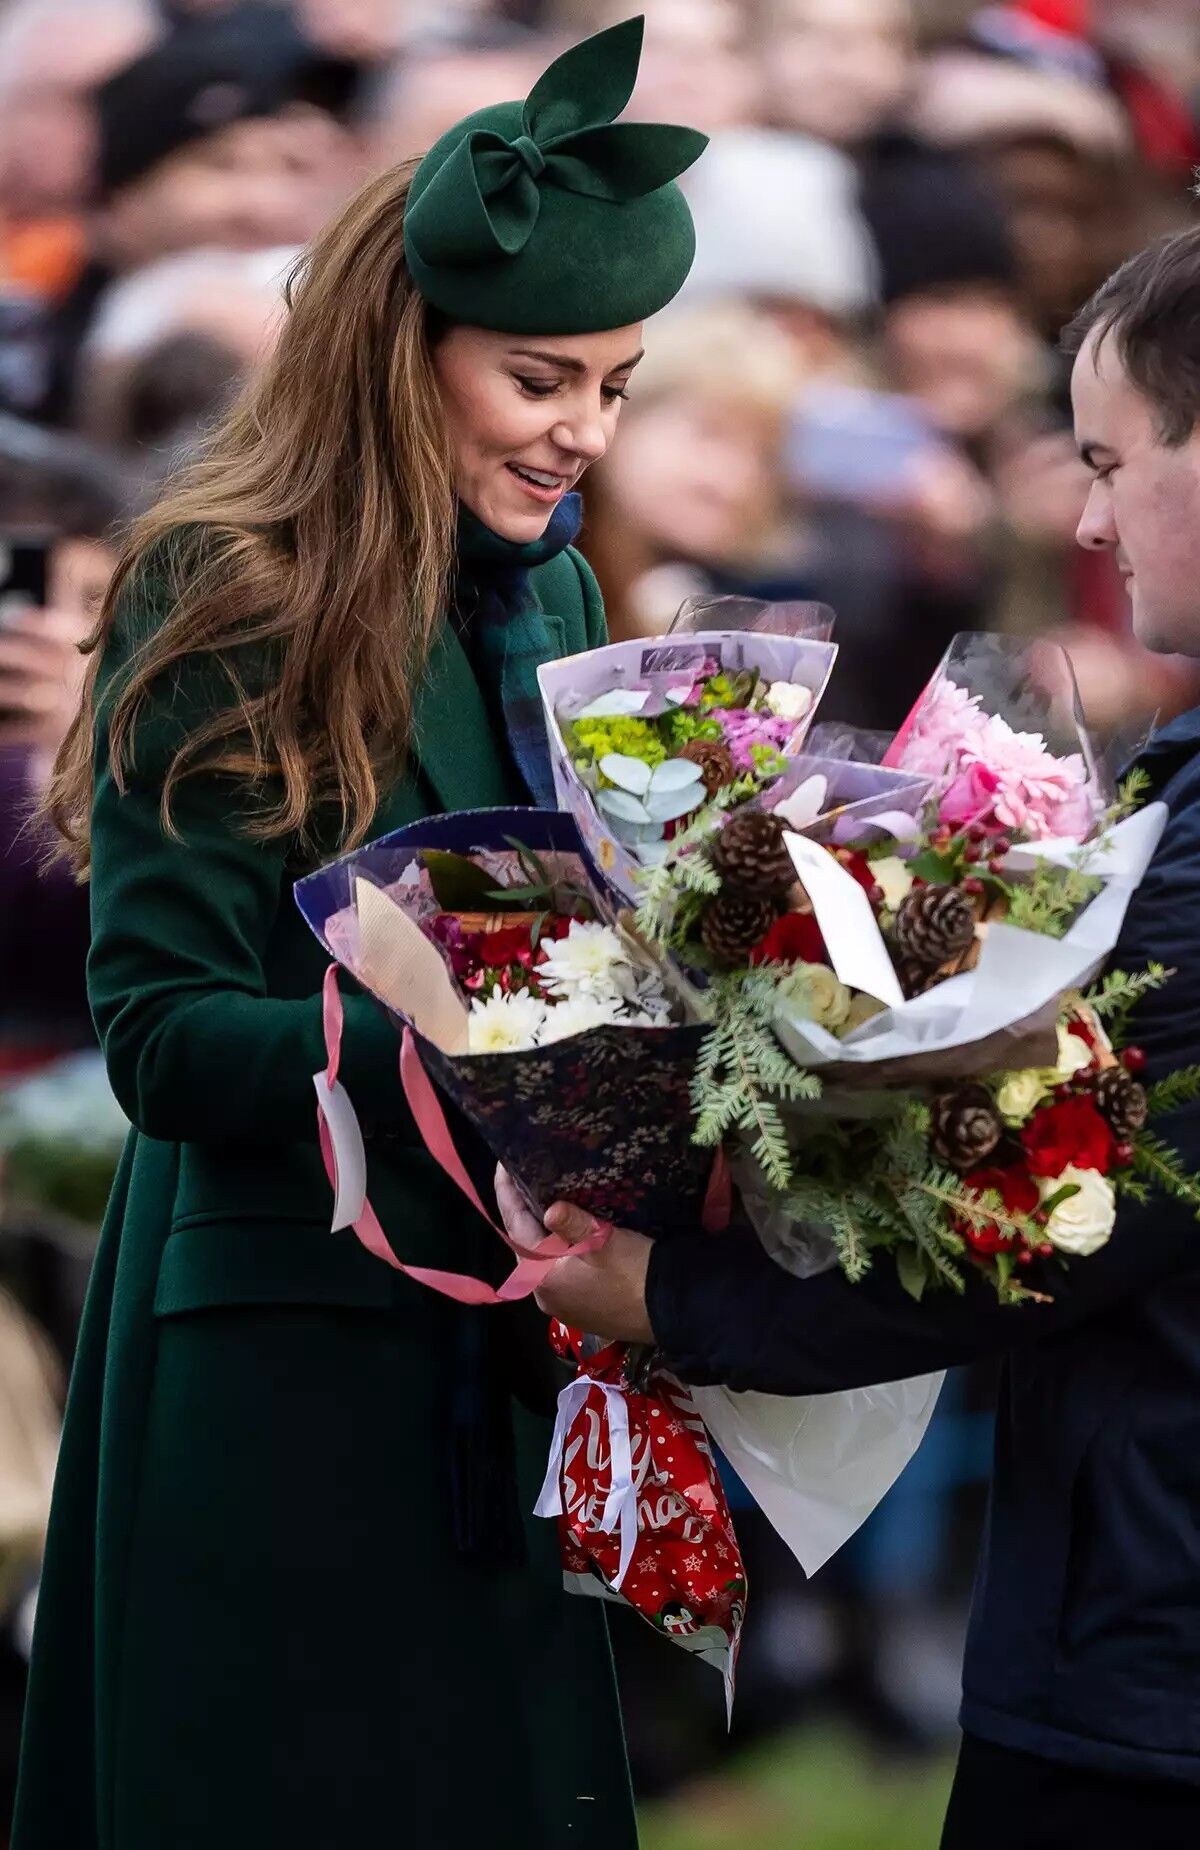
(618, 703)
(669, 805)
(675, 774)
(632, 774)
(619, 806)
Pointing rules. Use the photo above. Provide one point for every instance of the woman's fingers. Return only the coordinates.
(523, 1227)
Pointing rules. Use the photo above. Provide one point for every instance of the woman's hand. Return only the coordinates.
(601, 1292)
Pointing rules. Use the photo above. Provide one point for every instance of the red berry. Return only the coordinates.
(995, 866)
(1063, 1091)
(1001, 846)
(918, 880)
(976, 832)
(1123, 1155)
(972, 853)
(1133, 1059)
(1025, 1257)
(973, 886)
(1045, 1250)
(875, 894)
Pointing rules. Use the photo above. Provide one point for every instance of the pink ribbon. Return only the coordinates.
(430, 1120)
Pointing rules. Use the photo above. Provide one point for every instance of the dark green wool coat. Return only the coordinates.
(255, 1628)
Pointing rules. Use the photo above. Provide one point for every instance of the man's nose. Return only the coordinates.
(1097, 530)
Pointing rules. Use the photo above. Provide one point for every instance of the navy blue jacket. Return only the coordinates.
(1084, 1643)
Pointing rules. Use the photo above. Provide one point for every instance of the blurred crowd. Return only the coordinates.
(858, 400)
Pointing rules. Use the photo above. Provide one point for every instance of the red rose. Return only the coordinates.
(857, 865)
(1071, 1130)
(1019, 1193)
(795, 938)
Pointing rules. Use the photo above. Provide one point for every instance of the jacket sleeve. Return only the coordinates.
(195, 1048)
(724, 1312)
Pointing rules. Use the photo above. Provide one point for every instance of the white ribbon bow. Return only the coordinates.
(620, 1506)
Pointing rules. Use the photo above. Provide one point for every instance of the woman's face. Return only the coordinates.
(527, 414)
(693, 477)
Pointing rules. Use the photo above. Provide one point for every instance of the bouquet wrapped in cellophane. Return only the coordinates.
(904, 1049)
(643, 733)
(559, 1039)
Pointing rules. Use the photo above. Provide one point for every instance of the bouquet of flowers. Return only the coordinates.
(899, 1043)
(559, 1039)
(644, 734)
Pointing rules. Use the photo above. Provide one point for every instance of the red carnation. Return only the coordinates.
(794, 938)
(510, 945)
(1069, 1131)
(1019, 1193)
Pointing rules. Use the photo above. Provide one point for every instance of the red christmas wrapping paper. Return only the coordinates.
(642, 1516)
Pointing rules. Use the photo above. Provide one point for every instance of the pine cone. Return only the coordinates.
(1122, 1100)
(715, 761)
(732, 925)
(965, 1126)
(750, 855)
(915, 978)
(934, 924)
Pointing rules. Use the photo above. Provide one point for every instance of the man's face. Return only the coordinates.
(249, 186)
(1144, 502)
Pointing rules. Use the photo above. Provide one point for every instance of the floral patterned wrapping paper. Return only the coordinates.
(603, 1119)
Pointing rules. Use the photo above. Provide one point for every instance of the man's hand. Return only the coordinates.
(603, 1292)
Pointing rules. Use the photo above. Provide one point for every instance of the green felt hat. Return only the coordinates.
(547, 216)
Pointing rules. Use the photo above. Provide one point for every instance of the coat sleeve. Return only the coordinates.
(196, 1049)
(724, 1312)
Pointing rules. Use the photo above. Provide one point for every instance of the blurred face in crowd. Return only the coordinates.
(694, 67)
(245, 187)
(430, 94)
(692, 476)
(527, 414)
(837, 69)
(50, 59)
(1144, 502)
(1065, 212)
(966, 354)
(366, 30)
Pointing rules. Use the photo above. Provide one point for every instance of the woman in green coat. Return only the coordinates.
(290, 1597)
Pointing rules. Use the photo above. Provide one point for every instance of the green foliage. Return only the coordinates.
(1132, 792)
(680, 725)
(685, 869)
(743, 1075)
(1178, 1088)
(1051, 898)
(1161, 1167)
(1118, 993)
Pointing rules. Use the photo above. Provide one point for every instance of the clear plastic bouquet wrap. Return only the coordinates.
(644, 733)
(903, 1050)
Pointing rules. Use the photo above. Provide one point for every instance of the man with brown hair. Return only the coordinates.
(1081, 1705)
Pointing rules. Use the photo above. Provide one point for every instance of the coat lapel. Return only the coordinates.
(454, 745)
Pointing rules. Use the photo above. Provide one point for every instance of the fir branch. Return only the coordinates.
(1162, 1167)
(1118, 993)
(1179, 1088)
(686, 867)
(1050, 899)
(1132, 792)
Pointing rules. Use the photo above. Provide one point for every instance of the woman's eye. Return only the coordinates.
(536, 388)
(613, 392)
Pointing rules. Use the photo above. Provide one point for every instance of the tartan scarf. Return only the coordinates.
(501, 628)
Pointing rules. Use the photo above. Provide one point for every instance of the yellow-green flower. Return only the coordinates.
(1020, 1093)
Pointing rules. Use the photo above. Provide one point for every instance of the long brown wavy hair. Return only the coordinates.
(318, 521)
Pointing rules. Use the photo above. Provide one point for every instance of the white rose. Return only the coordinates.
(862, 1008)
(788, 700)
(1074, 1054)
(892, 874)
(816, 993)
(1082, 1223)
(1020, 1094)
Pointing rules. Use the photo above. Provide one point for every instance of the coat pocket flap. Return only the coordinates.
(210, 1263)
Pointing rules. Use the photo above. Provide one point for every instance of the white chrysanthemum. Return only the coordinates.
(589, 961)
(576, 1015)
(505, 1023)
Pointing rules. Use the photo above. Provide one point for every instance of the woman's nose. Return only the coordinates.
(583, 434)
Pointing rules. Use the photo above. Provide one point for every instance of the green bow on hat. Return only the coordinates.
(547, 216)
